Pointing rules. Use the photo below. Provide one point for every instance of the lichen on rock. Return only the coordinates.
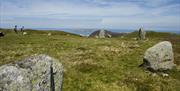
(35, 73)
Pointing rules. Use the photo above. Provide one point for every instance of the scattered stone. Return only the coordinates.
(109, 35)
(1, 34)
(142, 34)
(154, 74)
(159, 57)
(134, 46)
(35, 73)
(165, 75)
(24, 33)
(134, 38)
(122, 44)
(49, 34)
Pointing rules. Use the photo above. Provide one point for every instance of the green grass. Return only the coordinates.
(95, 64)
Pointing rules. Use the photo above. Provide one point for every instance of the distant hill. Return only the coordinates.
(105, 33)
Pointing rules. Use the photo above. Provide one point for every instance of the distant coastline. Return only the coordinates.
(87, 31)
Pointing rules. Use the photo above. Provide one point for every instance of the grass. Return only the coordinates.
(95, 64)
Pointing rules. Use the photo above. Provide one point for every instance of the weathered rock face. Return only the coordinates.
(159, 57)
(36, 73)
(142, 34)
(102, 34)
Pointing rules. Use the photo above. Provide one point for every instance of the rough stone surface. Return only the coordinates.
(142, 34)
(159, 57)
(102, 34)
(35, 73)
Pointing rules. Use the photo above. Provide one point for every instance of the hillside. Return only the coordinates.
(106, 34)
(109, 64)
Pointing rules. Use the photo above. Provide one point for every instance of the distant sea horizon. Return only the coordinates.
(87, 31)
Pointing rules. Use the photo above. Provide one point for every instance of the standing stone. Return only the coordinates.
(159, 57)
(102, 34)
(142, 34)
(35, 73)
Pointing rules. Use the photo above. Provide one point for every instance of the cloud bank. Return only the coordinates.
(122, 14)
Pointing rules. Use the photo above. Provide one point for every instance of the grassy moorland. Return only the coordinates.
(91, 64)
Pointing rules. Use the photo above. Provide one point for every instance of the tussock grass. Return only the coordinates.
(95, 64)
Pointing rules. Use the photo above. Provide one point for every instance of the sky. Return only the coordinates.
(110, 14)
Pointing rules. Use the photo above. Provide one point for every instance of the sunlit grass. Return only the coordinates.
(95, 64)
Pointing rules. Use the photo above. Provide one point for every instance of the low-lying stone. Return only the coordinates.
(24, 33)
(35, 73)
(1, 34)
(159, 57)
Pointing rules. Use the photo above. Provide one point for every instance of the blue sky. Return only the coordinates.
(114, 14)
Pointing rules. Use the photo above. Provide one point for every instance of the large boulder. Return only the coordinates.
(35, 73)
(159, 57)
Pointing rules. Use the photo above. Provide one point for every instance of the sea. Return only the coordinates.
(88, 31)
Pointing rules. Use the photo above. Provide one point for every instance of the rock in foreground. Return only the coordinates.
(35, 73)
(159, 57)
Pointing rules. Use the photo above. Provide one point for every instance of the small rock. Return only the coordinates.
(122, 44)
(154, 74)
(134, 46)
(49, 34)
(24, 33)
(134, 38)
(165, 75)
(1, 34)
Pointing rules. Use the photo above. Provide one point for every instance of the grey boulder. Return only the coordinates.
(35, 73)
(159, 57)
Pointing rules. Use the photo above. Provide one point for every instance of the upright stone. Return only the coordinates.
(142, 34)
(35, 73)
(159, 57)
(102, 34)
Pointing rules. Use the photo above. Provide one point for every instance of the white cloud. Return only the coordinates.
(122, 14)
